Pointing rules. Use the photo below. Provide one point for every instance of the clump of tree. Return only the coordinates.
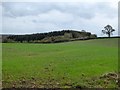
(108, 30)
(35, 37)
(55, 36)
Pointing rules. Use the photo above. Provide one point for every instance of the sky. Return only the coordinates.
(27, 17)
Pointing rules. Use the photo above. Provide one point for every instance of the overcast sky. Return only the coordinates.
(39, 17)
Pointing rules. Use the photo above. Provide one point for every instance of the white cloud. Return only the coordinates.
(20, 18)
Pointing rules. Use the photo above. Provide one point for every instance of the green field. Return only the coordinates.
(65, 65)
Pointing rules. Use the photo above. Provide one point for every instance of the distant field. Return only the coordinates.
(76, 64)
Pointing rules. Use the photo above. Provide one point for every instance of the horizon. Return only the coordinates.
(56, 31)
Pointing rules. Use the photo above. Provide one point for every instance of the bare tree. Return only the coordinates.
(108, 30)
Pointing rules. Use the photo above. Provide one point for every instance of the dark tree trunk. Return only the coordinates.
(108, 35)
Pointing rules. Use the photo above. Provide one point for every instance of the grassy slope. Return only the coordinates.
(0, 66)
(71, 62)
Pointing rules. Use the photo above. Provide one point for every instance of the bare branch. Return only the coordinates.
(108, 30)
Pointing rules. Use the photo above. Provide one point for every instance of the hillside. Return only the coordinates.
(77, 64)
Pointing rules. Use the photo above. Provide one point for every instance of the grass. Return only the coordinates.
(69, 64)
(0, 66)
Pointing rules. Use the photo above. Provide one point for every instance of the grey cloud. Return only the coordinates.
(24, 9)
(83, 10)
(87, 10)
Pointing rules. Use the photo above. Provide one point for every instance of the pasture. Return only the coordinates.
(75, 64)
